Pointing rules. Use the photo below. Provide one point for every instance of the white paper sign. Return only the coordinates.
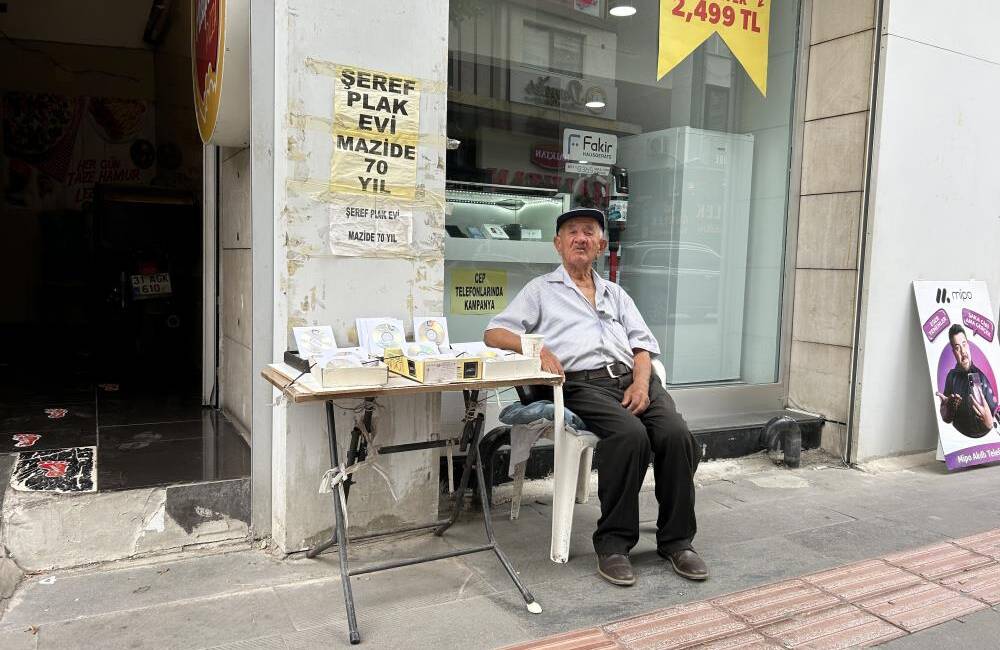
(365, 226)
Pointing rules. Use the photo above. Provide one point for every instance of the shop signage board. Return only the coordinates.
(563, 92)
(373, 174)
(220, 70)
(547, 156)
(963, 356)
(743, 25)
(478, 291)
(590, 147)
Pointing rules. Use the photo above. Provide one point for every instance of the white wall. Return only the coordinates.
(314, 287)
(935, 203)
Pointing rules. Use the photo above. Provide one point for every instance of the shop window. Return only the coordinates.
(696, 161)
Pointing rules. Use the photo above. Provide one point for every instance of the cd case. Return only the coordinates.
(431, 329)
(377, 334)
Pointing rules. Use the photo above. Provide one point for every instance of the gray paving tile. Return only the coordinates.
(383, 595)
(864, 539)
(766, 520)
(474, 623)
(195, 624)
(951, 517)
(18, 638)
(274, 642)
(109, 589)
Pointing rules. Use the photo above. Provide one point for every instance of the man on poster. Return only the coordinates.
(596, 338)
(968, 402)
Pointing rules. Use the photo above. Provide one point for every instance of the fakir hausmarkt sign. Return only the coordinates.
(742, 24)
(220, 70)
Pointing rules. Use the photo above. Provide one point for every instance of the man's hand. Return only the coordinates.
(981, 410)
(949, 405)
(550, 363)
(636, 397)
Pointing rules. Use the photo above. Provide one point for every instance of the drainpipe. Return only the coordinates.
(863, 231)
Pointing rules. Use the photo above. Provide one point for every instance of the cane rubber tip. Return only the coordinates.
(534, 608)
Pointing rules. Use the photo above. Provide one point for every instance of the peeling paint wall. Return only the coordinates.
(315, 287)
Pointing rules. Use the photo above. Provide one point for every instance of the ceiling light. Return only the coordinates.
(622, 9)
(595, 103)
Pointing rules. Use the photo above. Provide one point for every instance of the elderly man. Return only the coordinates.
(596, 338)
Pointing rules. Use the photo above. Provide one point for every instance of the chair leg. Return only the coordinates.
(515, 497)
(567, 471)
(583, 480)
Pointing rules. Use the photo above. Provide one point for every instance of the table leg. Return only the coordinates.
(356, 451)
(345, 577)
(471, 434)
(474, 457)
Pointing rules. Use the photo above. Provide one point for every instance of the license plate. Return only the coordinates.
(151, 285)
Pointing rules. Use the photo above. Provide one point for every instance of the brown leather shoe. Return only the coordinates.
(687, 563)
(616, 568)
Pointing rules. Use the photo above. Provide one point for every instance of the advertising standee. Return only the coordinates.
(962, 356)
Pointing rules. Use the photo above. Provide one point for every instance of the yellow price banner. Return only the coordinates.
(742, 24)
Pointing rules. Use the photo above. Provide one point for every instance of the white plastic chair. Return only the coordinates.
(573, 459)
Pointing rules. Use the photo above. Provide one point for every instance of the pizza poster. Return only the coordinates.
(963, 357)
(56, 148)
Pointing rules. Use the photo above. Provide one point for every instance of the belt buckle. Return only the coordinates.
(611, 373)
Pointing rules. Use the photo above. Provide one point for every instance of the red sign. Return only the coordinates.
(54, 468)
(56, 414)
(208, 25)
(25, 439)
(547, 156)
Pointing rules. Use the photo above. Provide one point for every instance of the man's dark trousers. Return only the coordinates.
(626, 442)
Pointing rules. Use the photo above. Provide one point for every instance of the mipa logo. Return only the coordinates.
(944, 296)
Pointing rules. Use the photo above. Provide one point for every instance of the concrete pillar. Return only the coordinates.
(314, 287)
(833, 165)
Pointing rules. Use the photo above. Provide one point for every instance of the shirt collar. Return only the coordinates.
(562, 275)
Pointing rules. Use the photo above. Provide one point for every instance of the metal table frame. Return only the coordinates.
(357, 451)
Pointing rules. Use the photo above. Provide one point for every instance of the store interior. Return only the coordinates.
(101, 251)
(696, 191)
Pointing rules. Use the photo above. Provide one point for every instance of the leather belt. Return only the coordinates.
(610, 371)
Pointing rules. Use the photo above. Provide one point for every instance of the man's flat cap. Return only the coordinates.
(589, 213)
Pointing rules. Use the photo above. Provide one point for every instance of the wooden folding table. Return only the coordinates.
(300, 388)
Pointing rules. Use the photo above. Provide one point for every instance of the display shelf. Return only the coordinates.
(500, 250)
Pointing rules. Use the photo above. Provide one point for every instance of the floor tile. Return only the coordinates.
(862, 579)
(921, 606)
(55, 416)
(842, 626)
(14, 442)
(178, 452)
(114, 409)
(982, 583)
(56, 470)
(676, 627)
(938, 561)
(774, 602)
(987, 543)
(589, 639)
